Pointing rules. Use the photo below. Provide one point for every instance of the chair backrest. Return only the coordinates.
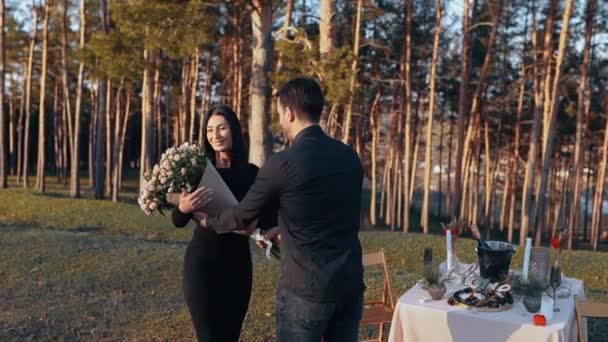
(587, 309)
(378, 259)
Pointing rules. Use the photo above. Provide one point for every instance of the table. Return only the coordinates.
(415, 320)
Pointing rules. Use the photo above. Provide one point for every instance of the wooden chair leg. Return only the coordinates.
(380, 338)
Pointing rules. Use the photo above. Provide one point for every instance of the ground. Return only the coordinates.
(96, 270)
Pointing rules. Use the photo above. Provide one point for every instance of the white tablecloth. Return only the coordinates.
(437, 321)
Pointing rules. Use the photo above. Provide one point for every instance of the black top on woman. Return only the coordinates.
(217, 267)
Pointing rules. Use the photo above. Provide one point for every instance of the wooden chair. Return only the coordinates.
(588, 309)
(378, 312)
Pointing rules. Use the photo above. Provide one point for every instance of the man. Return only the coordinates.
(317, 182)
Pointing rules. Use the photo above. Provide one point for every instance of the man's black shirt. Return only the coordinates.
(317, 183)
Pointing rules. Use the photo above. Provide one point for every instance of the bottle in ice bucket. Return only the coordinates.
(494, 259)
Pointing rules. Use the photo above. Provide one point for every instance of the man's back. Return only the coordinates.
(320, 203)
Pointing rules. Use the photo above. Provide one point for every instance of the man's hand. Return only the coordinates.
(189, 203)
(200, 217)
(273, 235)
(248, 230)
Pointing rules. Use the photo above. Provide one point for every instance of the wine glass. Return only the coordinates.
(556, 281)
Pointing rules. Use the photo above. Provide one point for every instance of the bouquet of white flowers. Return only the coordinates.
(180, 169)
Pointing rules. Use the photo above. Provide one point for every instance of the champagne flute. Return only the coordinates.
(556, 281)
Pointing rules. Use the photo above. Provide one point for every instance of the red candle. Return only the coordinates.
(540, 320)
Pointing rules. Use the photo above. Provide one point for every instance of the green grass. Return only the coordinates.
(97, 270)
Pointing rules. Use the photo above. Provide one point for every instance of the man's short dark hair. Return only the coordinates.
(304, 96)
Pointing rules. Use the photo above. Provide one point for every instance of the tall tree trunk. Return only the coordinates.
(375, 127)
(599, 192)
(448, 190)
(28, 99)
(65, 147)
(41, 181)
(327, 41)
(92, 138)
(147, 123)
(20, 127)
(353, 77)
(440, 176)
(205, 99)
(12, 126)
(64, 72)
(549, 135)
(117, 146)
(260, 144)
(574, 219)
(513, 170)
(123, 134)
(183, 108)
(57, 134)
(108, 138)
(488, 174)
(193, 89)
(407, 70)
(75, 178)
(102, 100)
(527, 207)
(394, 187)
(157, 108)
(327, 37)
(548, 65)
(100, 137)
(463, 108)
(414, 166)
(3, 161)
(384, 194)
(428, 165)
(390, 188)
(587, 191)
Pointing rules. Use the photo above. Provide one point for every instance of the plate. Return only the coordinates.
(484, 301)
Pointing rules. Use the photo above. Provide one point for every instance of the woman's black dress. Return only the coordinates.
(217, 269)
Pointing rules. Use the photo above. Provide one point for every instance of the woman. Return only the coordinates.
(217, 267)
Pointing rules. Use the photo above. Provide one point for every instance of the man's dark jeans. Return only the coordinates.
(299, 320)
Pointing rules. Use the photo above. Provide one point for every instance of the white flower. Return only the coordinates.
(153, 179)
(170, 190)
(167, 165)
(169, 174)
(171, 150)
(150, 187)
(193, 161)
(183, 171)
(159, 187)
(145, 194)
(156, 169)
(188, 187)
(177, 157)
(163, 180)
(152, 206)
(186, 144)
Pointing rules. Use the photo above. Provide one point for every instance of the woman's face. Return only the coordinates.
(219, 134)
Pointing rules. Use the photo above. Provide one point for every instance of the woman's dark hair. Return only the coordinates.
(239, 150)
